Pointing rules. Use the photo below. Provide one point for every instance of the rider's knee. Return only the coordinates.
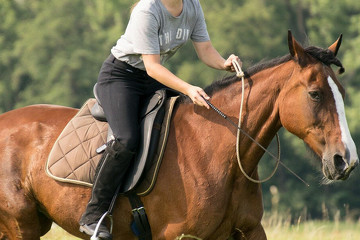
(130, 143)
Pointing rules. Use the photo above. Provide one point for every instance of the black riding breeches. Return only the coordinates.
(121, 91)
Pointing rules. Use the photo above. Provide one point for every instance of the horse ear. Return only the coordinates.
(296, 50)
(336, 45)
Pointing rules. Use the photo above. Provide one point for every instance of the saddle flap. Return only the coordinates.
(153, 102)
(153, 116)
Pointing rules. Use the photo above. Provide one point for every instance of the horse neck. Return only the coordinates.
(204, 144)
(260, 116)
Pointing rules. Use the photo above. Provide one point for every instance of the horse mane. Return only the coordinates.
(325, 56)
(262, 65)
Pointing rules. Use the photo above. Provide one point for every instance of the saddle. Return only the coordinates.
(64, 162)
(151, 119)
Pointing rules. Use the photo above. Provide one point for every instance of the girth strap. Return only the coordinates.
(140, 218)
(142, 226)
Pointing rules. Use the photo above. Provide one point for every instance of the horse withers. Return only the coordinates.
(200, 190)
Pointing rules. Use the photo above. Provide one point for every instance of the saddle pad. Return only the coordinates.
(73, 157)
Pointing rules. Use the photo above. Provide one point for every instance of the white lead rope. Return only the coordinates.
(240, 74)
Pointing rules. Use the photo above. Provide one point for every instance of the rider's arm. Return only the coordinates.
(211, 57)
(157, 71)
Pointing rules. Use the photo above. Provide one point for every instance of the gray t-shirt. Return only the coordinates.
(153, 30)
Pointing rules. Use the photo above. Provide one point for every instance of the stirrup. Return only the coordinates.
(106, 214)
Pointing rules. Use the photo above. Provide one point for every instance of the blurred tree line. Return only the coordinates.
(51, 52)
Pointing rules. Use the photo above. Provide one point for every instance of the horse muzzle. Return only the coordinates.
(338, 167)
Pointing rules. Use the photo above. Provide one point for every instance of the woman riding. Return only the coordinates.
(133, 71)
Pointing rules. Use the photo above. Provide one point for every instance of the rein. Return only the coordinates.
(240, 74)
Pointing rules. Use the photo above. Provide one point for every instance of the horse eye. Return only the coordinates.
(315, 95)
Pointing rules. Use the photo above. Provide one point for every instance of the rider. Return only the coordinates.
(134, 71)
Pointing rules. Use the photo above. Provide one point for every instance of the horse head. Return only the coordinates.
(312, 108)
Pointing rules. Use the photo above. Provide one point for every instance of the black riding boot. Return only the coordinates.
(110, 172)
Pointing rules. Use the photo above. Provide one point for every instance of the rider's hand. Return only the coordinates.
(197, 95)
(228, 65)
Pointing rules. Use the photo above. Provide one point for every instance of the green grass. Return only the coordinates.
(333, 226)
(57, 233)
(322, 230)
(276, 228)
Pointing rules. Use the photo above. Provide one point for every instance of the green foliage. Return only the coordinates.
(54, 49)
(51, 52)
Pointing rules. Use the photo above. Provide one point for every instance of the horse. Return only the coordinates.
(200, 192)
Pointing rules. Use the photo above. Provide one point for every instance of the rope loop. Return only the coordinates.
(240, 73)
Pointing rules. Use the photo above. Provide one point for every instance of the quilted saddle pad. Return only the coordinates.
(73, 157)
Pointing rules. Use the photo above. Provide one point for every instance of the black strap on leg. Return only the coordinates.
(140, 217)
(138, 211)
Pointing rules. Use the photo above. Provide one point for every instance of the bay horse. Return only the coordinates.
(200, 190)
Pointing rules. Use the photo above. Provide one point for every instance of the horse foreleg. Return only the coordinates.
(256, 233)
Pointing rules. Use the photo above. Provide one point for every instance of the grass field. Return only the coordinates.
(276, 228)
(57, 233)
(317, 230)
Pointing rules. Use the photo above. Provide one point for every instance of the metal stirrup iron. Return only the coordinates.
(108, 214)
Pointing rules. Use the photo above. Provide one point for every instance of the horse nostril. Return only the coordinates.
(339, 163)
